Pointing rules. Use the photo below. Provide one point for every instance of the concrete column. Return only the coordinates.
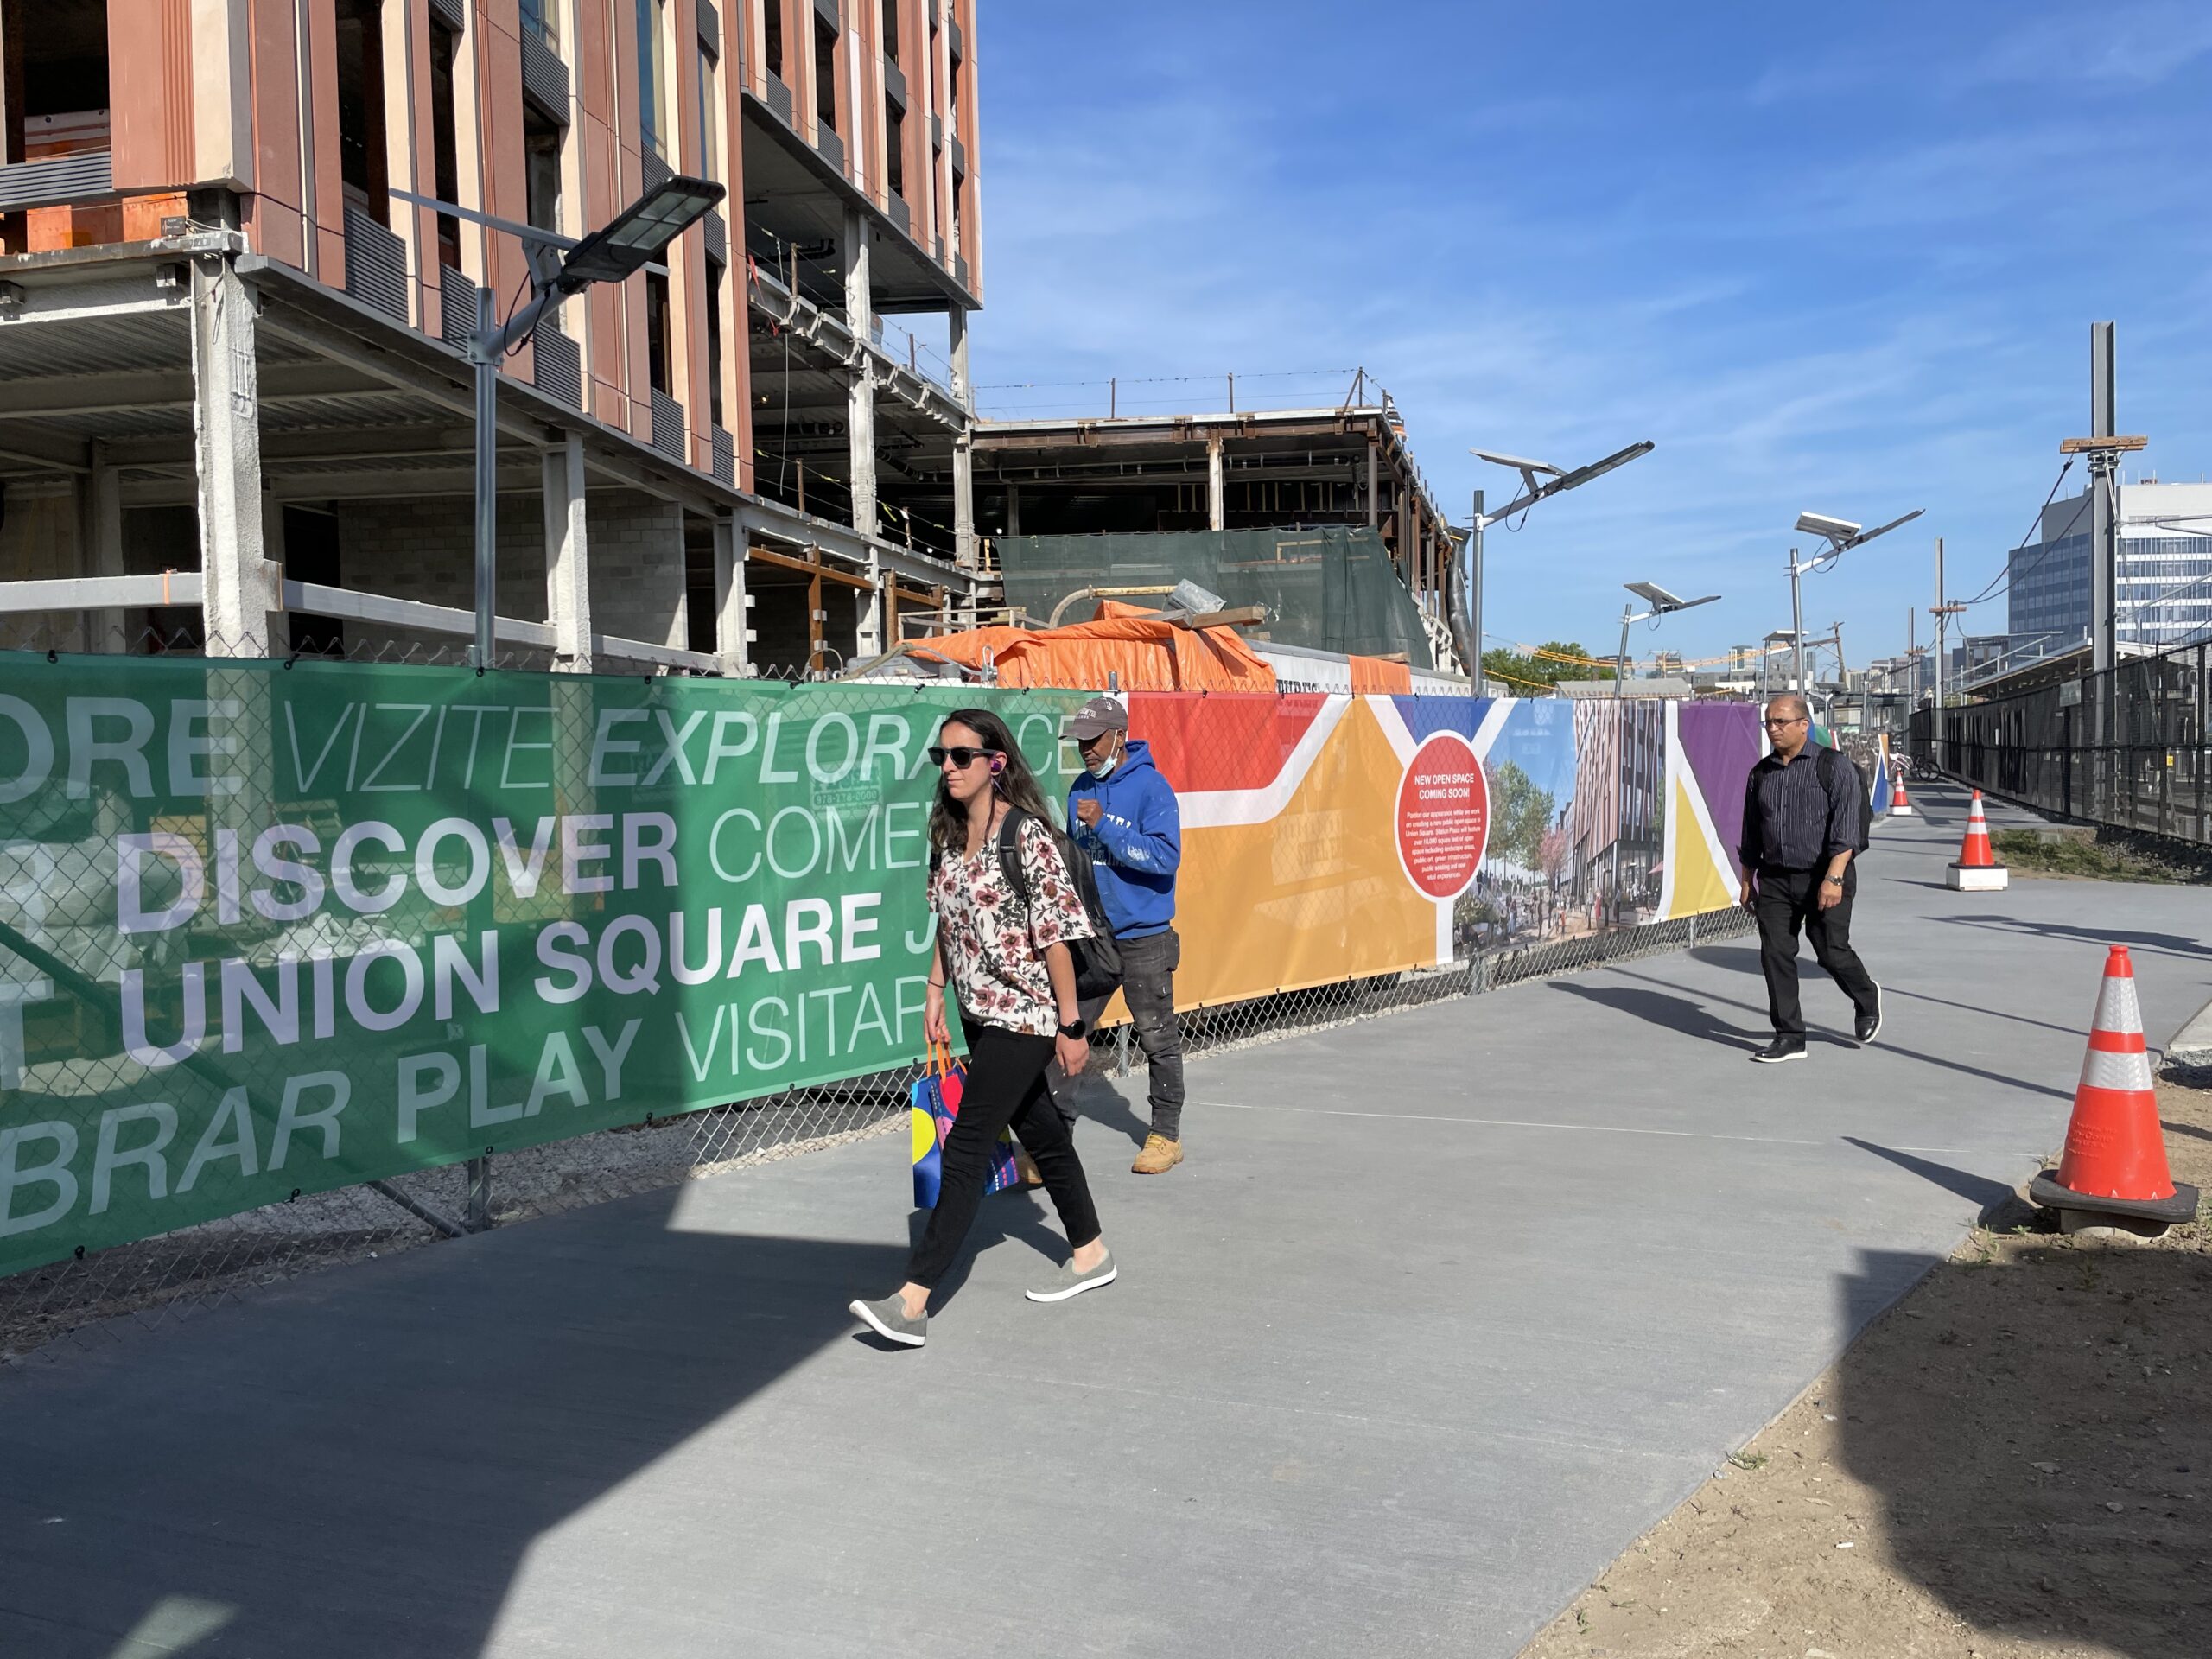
(860, 396)
(1374, 500)
(1217, 486)
(733, 636)
(963, 447)
(1013, 508)
(567, 556)
(239, 592)
(871, 631)
(103, 546)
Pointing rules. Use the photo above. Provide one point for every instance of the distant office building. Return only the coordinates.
(2165, 577)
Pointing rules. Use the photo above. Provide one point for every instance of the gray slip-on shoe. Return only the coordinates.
(887, 1318)
(1068, 1282)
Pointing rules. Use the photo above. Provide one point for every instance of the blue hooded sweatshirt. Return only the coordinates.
(1135, 846)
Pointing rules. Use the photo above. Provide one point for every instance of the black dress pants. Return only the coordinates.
(1785, 901)
(1006, 1086)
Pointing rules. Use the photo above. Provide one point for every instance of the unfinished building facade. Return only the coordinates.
(245, 247)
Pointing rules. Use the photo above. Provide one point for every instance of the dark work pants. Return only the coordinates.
(1149, 968)
(1789, 900)
(1005, 1086)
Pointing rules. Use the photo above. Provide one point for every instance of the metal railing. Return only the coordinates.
(2126, 748)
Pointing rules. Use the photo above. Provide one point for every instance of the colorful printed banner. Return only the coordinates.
(268, 929)
(265, 931)
(1327, 838)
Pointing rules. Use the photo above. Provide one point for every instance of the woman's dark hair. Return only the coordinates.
(1014, 782)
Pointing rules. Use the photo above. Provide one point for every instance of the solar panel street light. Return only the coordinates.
(1540, 480)
(1841, 535)
(632, 241)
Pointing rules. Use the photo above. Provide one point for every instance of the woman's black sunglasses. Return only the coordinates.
(963, 757)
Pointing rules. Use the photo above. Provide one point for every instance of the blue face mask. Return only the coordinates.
(1103, 767)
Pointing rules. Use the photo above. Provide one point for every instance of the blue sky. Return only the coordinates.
(1843, 258)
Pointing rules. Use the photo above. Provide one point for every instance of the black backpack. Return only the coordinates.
(1825, 762)
(1098, 958)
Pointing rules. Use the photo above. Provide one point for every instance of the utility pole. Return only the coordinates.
(1475, 597)
(1797, 626)
(2104, 519)
(2104, 447)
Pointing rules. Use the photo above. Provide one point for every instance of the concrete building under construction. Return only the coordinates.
(243, 247)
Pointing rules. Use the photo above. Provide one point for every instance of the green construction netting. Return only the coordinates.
(1331, 587)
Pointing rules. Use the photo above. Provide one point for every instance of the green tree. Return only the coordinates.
(1520, 814)
(1523, 671)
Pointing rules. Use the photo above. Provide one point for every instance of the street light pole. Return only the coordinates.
(559, 266)
(1797, 624)
(1466, 618)
(488, 482)
(1663, 603)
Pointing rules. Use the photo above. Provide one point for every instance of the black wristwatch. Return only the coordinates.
(1075, 1030)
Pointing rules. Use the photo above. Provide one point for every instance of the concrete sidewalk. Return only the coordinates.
(1445, 1309)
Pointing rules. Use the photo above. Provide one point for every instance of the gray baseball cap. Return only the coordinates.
(1097, 717)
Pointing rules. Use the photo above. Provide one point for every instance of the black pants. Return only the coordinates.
(1006, 1086)
(1149, 968)
(1789, 900)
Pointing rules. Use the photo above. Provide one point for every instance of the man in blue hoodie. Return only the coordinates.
(1123, 814)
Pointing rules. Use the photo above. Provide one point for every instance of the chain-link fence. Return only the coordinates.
(97, 1295)
(246, 960)
(2126, 747)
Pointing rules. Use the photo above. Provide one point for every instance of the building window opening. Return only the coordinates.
(540, 18)
(540, 150)
(56, 67)
(714, 342)
(894, 148)
(825, 73)
(361, 157)
(652, 77)
(772, 44)
(658, 343)
(891, 29)
(445, 47)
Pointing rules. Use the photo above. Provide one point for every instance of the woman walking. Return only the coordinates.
(1009, 966)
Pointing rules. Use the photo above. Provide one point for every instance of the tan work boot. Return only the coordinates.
(1159, 1155)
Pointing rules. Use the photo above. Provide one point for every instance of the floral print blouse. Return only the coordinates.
(994, 953)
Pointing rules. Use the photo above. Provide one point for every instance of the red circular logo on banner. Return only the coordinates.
(1443, 816)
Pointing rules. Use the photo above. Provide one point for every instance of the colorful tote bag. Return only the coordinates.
(935, 1104)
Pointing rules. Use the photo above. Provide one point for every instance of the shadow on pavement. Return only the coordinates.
(357, 1463)
(2043, 1469)
(1992, 1197)
(1665, 1009)
(2178, 944)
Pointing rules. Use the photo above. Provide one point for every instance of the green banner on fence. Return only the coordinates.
(269, 930)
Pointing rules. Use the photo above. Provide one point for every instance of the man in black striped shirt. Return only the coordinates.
(1803, 819)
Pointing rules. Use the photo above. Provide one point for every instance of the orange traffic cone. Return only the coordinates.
(2115, 1159)
(1900, 805)
(1977, 870)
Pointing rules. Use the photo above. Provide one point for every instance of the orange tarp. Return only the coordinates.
(1380, 677)
(1147, 655)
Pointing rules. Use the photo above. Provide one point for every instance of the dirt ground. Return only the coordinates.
(2015, 1460)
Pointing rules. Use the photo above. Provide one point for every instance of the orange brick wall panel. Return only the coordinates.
(271, 229)
(276, 103)
(142, 216)
(150, 92)
(499, 103)
(329, 176)
(424, 172)
(71, 225)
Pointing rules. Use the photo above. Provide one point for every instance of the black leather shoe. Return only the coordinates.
(1781, 1048)
(1867, 1026)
